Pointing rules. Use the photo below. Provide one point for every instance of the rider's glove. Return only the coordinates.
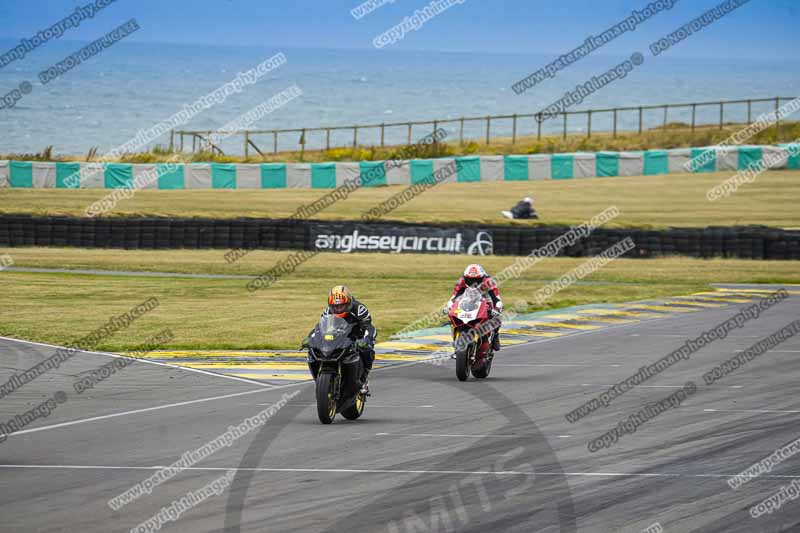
(496, 312)
(304, 345)
(364, 344)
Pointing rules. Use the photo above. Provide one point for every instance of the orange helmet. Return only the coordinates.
(340, 301)
(474, 273)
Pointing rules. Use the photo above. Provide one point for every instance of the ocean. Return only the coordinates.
(106, 100)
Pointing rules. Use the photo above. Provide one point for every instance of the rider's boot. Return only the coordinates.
(496, 341)
(365, 383)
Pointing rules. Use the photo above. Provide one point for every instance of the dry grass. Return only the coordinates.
(644, 201)
(221, 313)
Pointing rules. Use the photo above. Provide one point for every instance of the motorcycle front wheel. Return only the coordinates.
(355, 410)
(462, 365)
(326, 405)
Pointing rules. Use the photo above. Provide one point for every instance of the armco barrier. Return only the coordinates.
(752, 242)
(20, 174)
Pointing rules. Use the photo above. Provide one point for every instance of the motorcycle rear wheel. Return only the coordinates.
(326, 405)
(483, 371)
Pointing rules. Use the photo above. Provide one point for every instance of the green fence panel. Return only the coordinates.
(118, 176)
(64, 171)
(20, 174)
(606, 164)
(170, 176)
(323, 175)
(656, 162)
(223, 176)
(709, 160)
(373, 173)
(273, 175)
(794, 160)
(561, 166)
(748, 155)
(468, 169)
(515, 168)
(421, 170)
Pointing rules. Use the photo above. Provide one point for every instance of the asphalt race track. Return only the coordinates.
(430, 453)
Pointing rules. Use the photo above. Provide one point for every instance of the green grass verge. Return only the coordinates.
(644, 201)
(222, 314)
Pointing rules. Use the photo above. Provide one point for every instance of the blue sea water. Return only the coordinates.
(104, 101)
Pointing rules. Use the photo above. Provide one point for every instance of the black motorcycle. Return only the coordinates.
(336, 367)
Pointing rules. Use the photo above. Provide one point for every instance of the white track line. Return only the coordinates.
(391, 471)
(657, 386)
(747, 411)
(547, 365)
(370, 404)
(108, 354)
(462, 436)
(135, 411)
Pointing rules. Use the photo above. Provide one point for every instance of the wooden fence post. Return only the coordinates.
(589, 124)
(488, 126)
(514, 131)
(615, 122)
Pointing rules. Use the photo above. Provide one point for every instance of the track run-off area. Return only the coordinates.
(430, 453)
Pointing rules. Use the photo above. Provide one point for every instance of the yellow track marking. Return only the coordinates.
(720, 298)
(603, 312)
(556, 324)
(593, 319)
(531, 333)
(446, 338)
(696, 304)
(397, 345)
(757, 291)
(292, 377)
(664, 308)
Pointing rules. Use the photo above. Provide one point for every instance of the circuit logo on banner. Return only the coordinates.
(398, 239)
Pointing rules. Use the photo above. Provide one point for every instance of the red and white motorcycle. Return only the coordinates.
(470, 317)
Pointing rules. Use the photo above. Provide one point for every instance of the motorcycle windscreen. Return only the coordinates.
(471, 300)
(333, 327)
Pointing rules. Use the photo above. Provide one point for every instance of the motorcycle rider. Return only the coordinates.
(341, 303)
(476, 276)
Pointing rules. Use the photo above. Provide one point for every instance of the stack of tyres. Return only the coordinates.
(163, 233)
(117, 239)
(74, 232)
(43, 231)
(133, 229)
(236, 238)
(222, 234)
(177, 234)
(744, 243)
(251, 237)
(191, 232)
(730, 241)
(147, 233)
(102, 233)
(5, 239)
(205, 233)
(87, 227)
